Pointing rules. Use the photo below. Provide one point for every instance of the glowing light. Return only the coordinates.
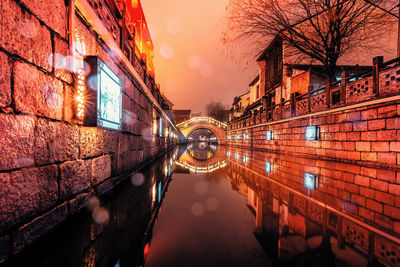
(159, 191)
(236, 136)
(311, 133)
(236, 155)
(268, 167)
(146, 250)
(80, 94)
(154, 192)
(155, 127)
(228, 154)
(310, 181)
(269, 135)
(245, 136)
(244, 159)
(160, 128)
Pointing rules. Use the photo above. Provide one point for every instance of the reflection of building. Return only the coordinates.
(182, 115)
(301, 220)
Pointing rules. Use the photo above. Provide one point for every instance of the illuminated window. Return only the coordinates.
(310, 181)
(104, 89)
(269, 135)
(311, 133)
(160, 128)
(245, 136)
(244, 159)
(236, 136)
(228, 154)
(236, 156)
(268, 167)
(228, 137)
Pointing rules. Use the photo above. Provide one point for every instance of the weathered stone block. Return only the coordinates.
(24, 193)
(55, 142)
(75, 177)
(54, 17)
(86, 43)
(29, 232)
(16, 141)
(37, 93)
(22, 34)
(96, 142)
(5, 82)
(101, 169)
(60, 61)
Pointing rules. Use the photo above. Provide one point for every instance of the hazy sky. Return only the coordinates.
(190, 65)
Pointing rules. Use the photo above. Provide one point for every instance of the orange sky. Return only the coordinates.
(190, 65)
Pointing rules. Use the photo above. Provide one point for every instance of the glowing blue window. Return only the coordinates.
(310, 181)
(169, 170)
(159, 191)
(236, 156)
(269, 135)
(311, 133)
(236, 136)
(109, 100)
(268, 167)
(228, 154)
(244, 159)
(228, 137)
(245, 136)
(160, 129)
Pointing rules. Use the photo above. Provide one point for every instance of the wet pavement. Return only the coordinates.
(204, 205)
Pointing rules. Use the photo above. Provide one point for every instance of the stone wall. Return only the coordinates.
(367, 134)
(51, 164)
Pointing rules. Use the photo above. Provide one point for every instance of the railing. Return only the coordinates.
(207, 120)
(382, 80)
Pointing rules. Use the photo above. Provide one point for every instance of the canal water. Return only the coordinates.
(198, 205)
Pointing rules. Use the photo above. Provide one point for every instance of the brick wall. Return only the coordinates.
(51, 164)
(368, 135)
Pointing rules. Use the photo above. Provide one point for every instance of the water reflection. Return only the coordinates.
(233, 208)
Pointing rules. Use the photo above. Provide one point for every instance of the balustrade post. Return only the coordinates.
(293, 104)
(328, 93)
(377, 62)
(343, 87)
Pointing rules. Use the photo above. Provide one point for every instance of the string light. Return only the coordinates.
(80, 94)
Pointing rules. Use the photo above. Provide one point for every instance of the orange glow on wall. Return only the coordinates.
(137, 22)
(80, 95)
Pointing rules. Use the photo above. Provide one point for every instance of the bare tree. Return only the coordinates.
(216, 110)
(321, 30)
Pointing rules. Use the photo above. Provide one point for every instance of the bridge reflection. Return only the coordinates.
(202, 158)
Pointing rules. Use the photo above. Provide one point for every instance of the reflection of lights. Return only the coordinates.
(244, 159)
(146, 250)
(155, 127)
(159, 191)
(269, 135)
(310, 181)
(228, 154)
(166, 170)
(228, 137)
(311, 133)
(160, 128)
(196, 169)
(236, 155)
(245, 136)
(268, 167)
(236, 136)
(154, 193)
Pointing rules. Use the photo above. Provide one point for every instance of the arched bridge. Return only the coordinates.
(215, 126)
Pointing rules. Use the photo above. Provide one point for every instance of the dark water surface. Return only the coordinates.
(204, 205)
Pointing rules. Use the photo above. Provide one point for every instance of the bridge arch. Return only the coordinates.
(216, 127)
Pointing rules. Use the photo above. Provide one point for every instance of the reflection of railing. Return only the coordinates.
(382, 80)
(206, 169)
(348, 229)
(206, 120)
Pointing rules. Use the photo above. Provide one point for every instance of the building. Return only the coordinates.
(182, 115)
